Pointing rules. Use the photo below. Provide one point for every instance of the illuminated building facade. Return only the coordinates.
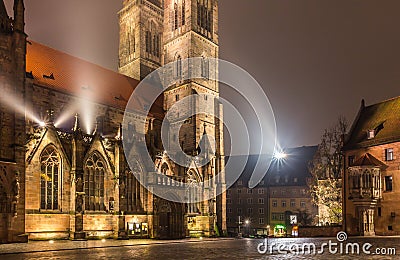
(62, 165)
(371, 190)
(284, 191)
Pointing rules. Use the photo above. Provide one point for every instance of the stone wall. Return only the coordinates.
(328, 231)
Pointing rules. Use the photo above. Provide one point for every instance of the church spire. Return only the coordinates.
(19, 15)
(5, 22)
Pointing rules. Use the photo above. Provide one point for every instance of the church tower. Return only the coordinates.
(12, 123)
(191, 31)
(141, 27)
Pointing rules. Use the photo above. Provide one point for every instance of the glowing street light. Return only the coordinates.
(42, 124)
(280, 155)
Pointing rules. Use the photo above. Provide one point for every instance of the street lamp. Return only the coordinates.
(280, 155)
(247, 223)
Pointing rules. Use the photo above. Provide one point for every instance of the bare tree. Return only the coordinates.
(327, 169)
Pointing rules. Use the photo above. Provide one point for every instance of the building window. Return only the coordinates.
(389, 154)
(229, 210)
(261, 211)
(240, 182)
(260, 191)
(281, 216)
(250, 211)
(183, 12)
(295, 180)
(379, 212)
(228, 192)
(239, 211)
(239, 201)
(175, 16)
(351, 160)
(274, 203)
(261, 221)
(302, 204)
(283, 192)
(50, 178)
(249, 191)
(292, 203)
(94, 183)
(176, 97)
(260, 201)
(228, 201)
(389, 183)
(249, 201)
(273, 192)
(205, 68)
(284, 203)
(179, 67)
(239, 191)
(370, 134)
(274, 216)
(130, 189)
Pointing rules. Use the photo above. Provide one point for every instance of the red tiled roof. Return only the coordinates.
(383, 118)
(62, 72)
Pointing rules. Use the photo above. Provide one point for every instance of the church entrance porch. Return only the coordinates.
(168, 220)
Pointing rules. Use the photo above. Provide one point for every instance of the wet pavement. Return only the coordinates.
(277, 248)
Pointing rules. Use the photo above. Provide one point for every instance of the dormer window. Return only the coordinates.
(371, 134)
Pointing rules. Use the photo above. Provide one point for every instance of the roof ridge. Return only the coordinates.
(77, 58)
(383, 101)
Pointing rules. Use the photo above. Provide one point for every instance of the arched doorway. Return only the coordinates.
(169, 219)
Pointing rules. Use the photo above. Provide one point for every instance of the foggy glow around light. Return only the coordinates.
(18, 106)
(280, 155)
(82, 106)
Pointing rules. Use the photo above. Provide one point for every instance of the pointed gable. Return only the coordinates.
(368, 160)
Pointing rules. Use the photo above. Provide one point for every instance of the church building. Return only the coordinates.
(63, 170)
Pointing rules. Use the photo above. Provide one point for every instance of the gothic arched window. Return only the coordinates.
(179, 67)
(183, 12)
(50, 178)
(94, 183)
(148, 41)
(176, 16)
(205, 68)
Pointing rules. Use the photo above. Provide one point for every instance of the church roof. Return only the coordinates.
(65, 73)
(368, 160)
(382, 119)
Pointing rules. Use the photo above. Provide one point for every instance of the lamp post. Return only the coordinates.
(240, 222)
(247, 223)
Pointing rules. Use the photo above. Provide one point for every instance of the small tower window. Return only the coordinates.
(183, 12)
(179, 67)
(205, 68)
(176, 16)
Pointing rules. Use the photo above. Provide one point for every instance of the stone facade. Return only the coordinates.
(12, 124)
(371, 190)
(78, 182)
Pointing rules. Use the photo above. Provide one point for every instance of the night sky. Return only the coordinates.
(316, 59)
